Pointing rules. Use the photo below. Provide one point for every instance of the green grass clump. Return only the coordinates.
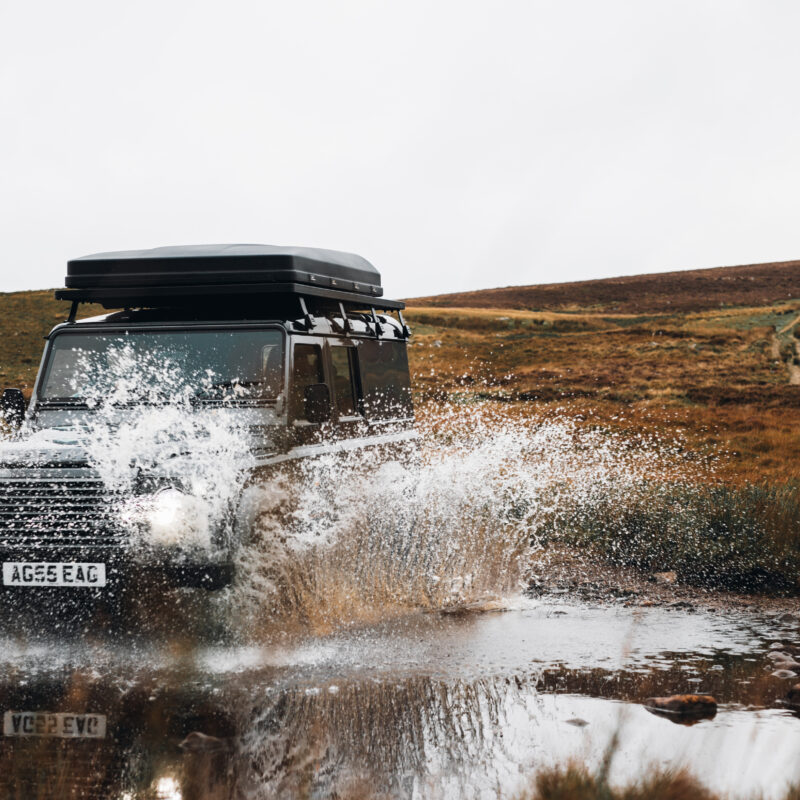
(724, 537)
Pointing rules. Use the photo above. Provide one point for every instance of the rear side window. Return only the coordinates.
(306, 371)
(344, 379)
(383, 367)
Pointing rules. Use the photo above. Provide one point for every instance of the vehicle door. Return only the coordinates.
(347, 391)
(308, 386)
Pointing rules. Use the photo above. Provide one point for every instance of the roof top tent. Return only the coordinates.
(215, 275)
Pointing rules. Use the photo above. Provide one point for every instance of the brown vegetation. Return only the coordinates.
(670, 292)
(720, 379)
(25, 319)
(577, 783)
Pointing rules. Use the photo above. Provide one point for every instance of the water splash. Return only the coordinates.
(145, 435)
(452, 524)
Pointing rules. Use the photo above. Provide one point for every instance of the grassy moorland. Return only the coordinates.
(711, 352)
(25, 319)
(710, 358)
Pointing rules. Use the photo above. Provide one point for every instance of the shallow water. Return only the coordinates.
(337, 688)
(426, 705)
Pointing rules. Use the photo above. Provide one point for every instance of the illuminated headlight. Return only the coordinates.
(167, 510)
(174, 518)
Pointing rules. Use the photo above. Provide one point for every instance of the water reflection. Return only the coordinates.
(252, 742)
(428, 706)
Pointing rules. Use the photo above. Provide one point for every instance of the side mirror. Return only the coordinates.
(317, 403)
(12, 407)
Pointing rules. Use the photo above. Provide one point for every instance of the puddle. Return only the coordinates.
(426, 706)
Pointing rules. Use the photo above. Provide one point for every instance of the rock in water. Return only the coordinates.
(792, 698)
(197, 742)
(786, 664)
(693, 706)
(779, 655)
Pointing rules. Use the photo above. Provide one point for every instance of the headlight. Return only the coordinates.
(174, 518)
(167, 509)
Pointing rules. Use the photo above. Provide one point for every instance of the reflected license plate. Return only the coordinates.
(62, 725)
(43, 573)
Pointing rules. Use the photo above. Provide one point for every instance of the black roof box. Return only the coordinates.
(167, 275)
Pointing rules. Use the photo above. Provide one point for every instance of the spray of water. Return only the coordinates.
(189, 458)
(452, 521)
(454, 524)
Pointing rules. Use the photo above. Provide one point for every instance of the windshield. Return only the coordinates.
(152, 366)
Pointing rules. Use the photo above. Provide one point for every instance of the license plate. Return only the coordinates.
(43, 573)
(62, 725)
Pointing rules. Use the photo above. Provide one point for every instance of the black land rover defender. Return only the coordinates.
(297, 342)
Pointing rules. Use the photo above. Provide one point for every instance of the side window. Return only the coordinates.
(344, 379)
(383, 367)
(306, 371)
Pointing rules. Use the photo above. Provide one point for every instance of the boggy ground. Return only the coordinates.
(576, 574)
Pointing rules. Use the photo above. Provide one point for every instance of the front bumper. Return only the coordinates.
(125, 571)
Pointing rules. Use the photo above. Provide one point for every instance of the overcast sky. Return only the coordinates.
(456, 144)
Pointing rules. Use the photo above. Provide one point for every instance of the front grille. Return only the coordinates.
(57, 508)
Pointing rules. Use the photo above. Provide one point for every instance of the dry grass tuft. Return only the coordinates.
(577, 783)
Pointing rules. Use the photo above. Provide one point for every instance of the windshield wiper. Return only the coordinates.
(233, 400)
(63, 402)
(231, 384)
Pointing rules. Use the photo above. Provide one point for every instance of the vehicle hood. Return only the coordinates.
(45, 448)
(69, 440)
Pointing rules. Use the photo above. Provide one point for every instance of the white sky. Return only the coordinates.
(456, 144)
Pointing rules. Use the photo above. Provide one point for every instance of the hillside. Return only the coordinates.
(664, 292)
(712, 354)
(25, 319)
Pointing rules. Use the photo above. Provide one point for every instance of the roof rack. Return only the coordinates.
(199, 274)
